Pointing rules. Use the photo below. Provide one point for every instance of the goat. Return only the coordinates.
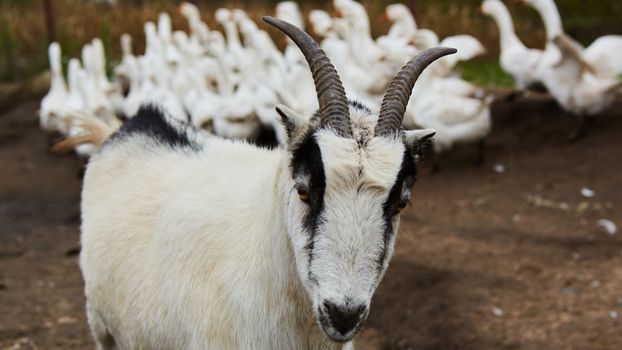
(190, 241)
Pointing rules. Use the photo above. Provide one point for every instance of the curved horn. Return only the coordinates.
(396, 98)
(331, 95)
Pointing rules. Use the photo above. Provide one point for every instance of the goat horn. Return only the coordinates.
(396, 98)
(331, 95)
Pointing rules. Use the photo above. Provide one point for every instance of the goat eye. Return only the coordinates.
(303, 194)
(401, 205)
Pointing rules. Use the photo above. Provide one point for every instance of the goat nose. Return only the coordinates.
(344, 318)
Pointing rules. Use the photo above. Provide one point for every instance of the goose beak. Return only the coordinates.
(480, 9)
(338, 13)
(385, 17)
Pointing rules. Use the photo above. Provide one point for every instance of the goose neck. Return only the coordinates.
(550, 15)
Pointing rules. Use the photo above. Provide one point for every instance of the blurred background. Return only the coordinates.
(25, 31)
(519, 250)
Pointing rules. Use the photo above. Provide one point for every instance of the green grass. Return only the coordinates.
(486, 73)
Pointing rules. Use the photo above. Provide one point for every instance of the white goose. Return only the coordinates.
(96, 100)
(172, 56)
(604, 55)
(134, 97)
(516, 59)
(404, 25)
(574, 86)
(121, 72)
(75, 98)
(52, 105)
(456, 119)
(574, 83)
(363, 48)
(290, 12)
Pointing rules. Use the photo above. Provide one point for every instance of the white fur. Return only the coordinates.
(205, 249)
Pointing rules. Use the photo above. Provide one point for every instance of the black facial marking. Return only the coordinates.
(405, 179)
(307, 163)
(358, 105)
(152, 122)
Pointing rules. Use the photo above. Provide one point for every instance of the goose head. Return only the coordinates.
(401, 13)
(424, 39)
(238, 15)
(190, 11)
(165, 28)
(153, 45)
(222, 15)
(321, 21)
(57, 80)
(290, 12)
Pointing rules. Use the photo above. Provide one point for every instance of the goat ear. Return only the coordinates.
(293, 122)
(418, 141)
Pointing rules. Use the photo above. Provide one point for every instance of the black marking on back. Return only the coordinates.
(405, 179)
(307, 161)
(152, 122)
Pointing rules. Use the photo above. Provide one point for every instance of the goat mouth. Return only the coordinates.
(332, 333)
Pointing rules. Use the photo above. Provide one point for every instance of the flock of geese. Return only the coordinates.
(229, 82)
(584, 81)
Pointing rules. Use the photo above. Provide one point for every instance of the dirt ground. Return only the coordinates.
(486, 259)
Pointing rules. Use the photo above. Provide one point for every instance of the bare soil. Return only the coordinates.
(485, 259)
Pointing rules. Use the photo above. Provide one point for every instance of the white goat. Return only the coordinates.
(194, 242)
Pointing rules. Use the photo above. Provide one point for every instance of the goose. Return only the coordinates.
(397, 43)
(604, 55)
(573, 83)
(161, 94)
(290, 12)
(269, 64)
(96, 99)
(202, 104)
(516, 59)
(153, 44)
(113, 91)
(240, 121)
(134, 97)
(364, 85)
(121, 71)
(172, 55)
(75, 98)
(468, 48)
(99, 66)
(456, 118)
(363, 48)
(335, 47)
(52, 104)
(235, 52)
(199, 31)
(191, 12)
(385, 56)
(404, 25)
